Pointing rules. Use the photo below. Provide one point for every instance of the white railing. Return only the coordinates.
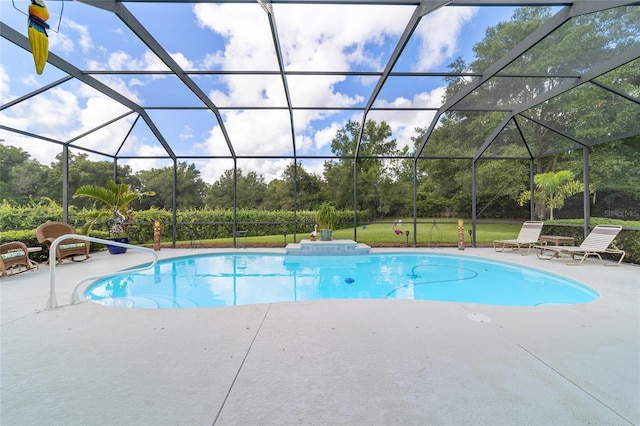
(52, 303)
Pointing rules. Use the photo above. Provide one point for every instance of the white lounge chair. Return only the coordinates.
(528, 237)
(597, 242)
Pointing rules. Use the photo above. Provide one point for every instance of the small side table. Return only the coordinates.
(34, 250)
(557, 240)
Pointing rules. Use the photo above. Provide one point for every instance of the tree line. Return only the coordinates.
(384, 185)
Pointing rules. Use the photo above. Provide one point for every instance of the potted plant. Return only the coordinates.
(327, 217)
(116, 211)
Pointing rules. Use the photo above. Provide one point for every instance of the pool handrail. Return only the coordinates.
(52, 303)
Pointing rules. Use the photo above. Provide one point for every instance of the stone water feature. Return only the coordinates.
(340, 247)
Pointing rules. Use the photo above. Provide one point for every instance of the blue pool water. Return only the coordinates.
(242, 279)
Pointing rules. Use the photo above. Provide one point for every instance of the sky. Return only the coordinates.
(228, 37)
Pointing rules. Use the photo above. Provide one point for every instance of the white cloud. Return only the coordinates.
(439, 33)
(97, 110)
(210, 171)
(336, 37)
(323, 137)
(182, 61)
(40, 115)
(304, 143)
(404, 123)
(61, 43)
(316, 37)
(267, 133)
(243, 50)
(431, 99)
(122, 61)
(187, 132)
(312, 38)
(71, 34)
(63, 113)
(145, 150)
(271, 169)
(81, 34)
(52, 113)
(320, 91)
(133, 82)
(41, 151)
(5, 86)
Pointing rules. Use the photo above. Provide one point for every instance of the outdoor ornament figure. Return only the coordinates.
(314, 234)
(117, 225)
(460, 234)
(157, 235)
(38, 37)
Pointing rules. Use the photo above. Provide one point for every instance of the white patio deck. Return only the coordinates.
(351, 362)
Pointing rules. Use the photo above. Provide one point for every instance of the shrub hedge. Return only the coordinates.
(205, 224)
(18, 223)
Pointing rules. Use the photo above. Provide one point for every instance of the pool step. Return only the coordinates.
(327, 248)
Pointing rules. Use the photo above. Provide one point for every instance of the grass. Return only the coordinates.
(382, 234)
(444, 233)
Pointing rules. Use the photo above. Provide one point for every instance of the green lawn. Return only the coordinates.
(430, 233)
(443, 233)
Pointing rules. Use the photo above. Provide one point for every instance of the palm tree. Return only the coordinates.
(115, 200)
(552, 189)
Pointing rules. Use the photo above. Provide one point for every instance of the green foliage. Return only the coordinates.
(191, 189)
(20, 176)
(113, 201)
(250, 190)
(13, 216)
(552, 189)
(209, 225)
(212, 224)
(327, 215)
(375, 174)
(296, 180)
(82, 171)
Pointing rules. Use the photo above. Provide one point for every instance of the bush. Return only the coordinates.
(18, 223)
(207, 224)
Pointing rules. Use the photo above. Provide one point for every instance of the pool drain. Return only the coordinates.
(478, 317)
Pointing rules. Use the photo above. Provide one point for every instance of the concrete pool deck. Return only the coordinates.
(341, 362)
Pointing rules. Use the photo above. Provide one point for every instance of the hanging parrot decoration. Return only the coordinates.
(38, 37)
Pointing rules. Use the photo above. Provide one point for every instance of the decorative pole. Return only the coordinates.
(460, 234)
(157, 235)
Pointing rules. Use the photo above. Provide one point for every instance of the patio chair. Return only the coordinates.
(13, 257)
(528, 237)
(47, 232)
(597, 242)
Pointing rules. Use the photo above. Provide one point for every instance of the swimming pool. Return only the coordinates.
(231, 279)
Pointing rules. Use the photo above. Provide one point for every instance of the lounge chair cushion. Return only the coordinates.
(12, 254)
(70, 246)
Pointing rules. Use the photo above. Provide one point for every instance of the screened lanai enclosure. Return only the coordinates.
(412, 109)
